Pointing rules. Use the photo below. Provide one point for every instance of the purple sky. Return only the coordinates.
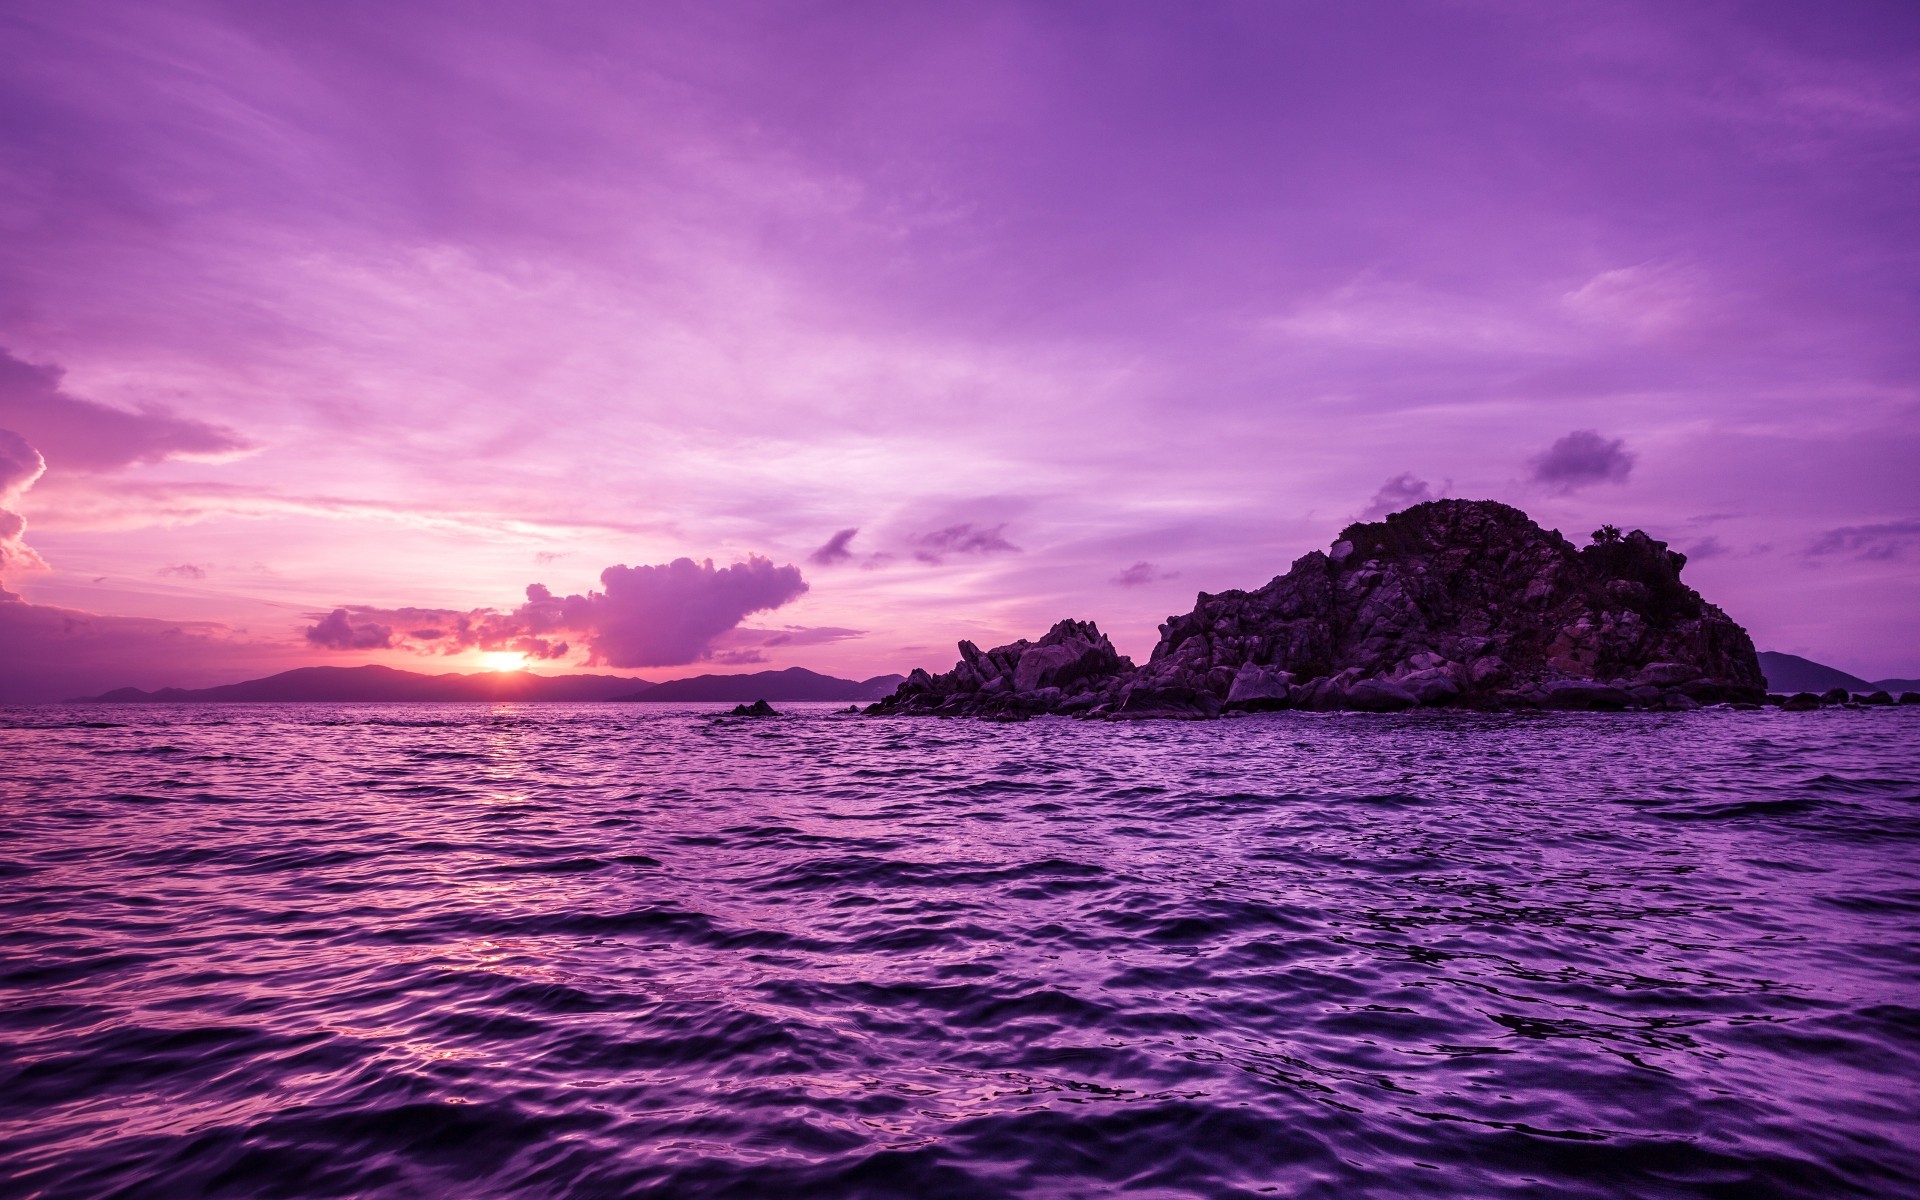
(339, 326)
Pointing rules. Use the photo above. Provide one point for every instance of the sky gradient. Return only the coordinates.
(676, 338)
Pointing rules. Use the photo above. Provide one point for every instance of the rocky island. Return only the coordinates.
(1465, 603)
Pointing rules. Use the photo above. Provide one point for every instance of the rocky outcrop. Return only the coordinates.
(1452, 602)
(1074, 668)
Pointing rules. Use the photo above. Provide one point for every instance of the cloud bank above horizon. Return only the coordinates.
(986, 316)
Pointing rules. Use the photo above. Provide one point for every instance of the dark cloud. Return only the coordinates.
(1402, 491)
(50, 653)
(77, 434)
(791, 635)
(1142, 572)
(339, 631)
(1581, 459)
(965, 538)
(648, 616)
(1878, 543)
(20, 465)
(835, 551)
(183, 571)
(1707, 547)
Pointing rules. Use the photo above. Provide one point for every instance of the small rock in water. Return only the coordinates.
(1800, 702)
(1876, 698)
(1837, 695)
(759, 708)
(1910, 697)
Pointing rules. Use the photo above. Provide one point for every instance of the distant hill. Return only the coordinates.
(1791, 673)
(354, 685)
(1896, 686)
(794, 683)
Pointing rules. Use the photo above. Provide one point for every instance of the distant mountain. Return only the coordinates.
(1791, 673)
(1896, 686)
(354, 685)
(794, 683)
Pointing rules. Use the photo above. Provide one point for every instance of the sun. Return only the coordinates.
(504, 660)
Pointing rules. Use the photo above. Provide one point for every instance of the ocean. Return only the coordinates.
(639, 950)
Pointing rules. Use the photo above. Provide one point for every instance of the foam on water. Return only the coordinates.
(596, 950)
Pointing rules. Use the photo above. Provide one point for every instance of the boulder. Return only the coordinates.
(1837, 695)
(1259, 687)
(1876, 698)
(1585, 695)
(1910, 697)
(1379, 695)
(1168, 703)
(1800, 702)
(1435, 685)
(759, 708)
(1666, 674)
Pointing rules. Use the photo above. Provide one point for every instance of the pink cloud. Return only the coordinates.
(80, 435)
(56, 653)
(964, 538)
(20, 466)
(835, 551)
(1402, 491)
(1142, 573)
(646, 616)
(1581, 459)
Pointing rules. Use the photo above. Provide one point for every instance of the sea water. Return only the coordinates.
(640, 950)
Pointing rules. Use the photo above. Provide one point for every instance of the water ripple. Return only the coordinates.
(553, 950)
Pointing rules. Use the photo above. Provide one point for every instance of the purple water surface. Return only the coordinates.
(561, 950)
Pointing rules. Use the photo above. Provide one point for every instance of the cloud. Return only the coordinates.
(58, 653)
(20, 465)
(647, 616)
(81, 435)
(547, 558)
(338, 631)
(1645, 300)
(1402, 491)
(1142, 572)
(183, 571)
(964, 538)
(1707, 547)
(1878, 543)
(1583, 458)
(790, 635)
(835, 551)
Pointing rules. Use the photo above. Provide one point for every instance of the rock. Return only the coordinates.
(1454, 602)
(1169, 703)
(1910, 697)
(1666, 674)
(1681, 702)
(1585, 694)
(1073, 668)
(1837, 695)
(1800, 702)
(1435, 685)
(1379, 695)
(1876, 698)
(759, 708)
(1258, 687)
(1488, 670)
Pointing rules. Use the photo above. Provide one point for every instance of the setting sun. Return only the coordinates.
(504, 660)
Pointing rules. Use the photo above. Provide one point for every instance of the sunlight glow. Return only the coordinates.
(504, 660)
